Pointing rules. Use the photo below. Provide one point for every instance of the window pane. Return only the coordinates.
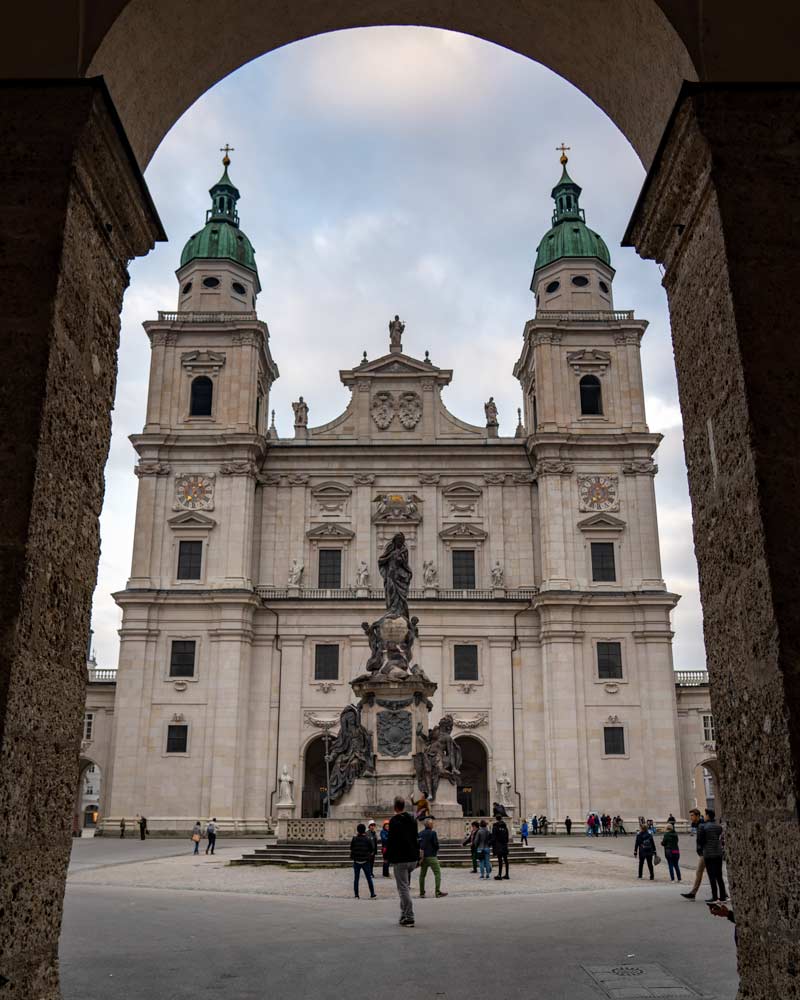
(177, 739)
(190, 557)
(181, 662)
(609, 660)
(464, 569)
(326, 663)
(88, 725)
(614, 739)
(330, 569)
(202, 396)
(466, 663)
(591, 396)
(709, 734)
(603, 561)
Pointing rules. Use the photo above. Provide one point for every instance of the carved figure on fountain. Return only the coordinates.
(351, 754)
(440, 758)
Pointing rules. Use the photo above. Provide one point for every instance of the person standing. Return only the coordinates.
(645, 848)
(709, 838)
(384, 841)
(696, 820)
(469, 841)
(568, 825)
(534, 825)
(483, 843)
(197, 836)
(122, 828)
(500, 842)
(142, 827)
(402, 851)
(672, 852)
(362, 855)
(428, 851)
(373, 837)
(211, 834)
(523, 832)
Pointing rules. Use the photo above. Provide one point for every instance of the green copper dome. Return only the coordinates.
(570, 236)
(221, 238)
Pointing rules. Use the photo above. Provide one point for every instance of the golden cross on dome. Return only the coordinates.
(226, 149)
(563, 149)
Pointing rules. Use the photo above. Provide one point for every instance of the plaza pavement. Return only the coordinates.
(149, 920)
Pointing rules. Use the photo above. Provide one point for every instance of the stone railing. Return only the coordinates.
(205, 317)
(103, 675)
(691, 678)
(585, 315)
(349, 593)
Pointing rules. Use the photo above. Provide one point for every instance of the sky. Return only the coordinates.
(396, 170)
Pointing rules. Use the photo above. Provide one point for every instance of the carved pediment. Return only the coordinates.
(191, 520)
(589, 361)
(461, 489)
(601, 522)
(463, 531)
(331, 491)
(202, 362)
(330, 531)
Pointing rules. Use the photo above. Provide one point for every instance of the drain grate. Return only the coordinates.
(636, 982)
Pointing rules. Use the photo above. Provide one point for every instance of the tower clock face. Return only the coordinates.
(598, 492)
(194, 492)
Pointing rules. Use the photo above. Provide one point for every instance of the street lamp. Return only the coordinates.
(326, 727)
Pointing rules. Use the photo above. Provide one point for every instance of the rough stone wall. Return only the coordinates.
(72, 218)
(721, 210)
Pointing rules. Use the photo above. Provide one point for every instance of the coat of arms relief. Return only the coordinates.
(406, 406)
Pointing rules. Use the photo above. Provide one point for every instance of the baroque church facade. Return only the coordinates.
(544, 619)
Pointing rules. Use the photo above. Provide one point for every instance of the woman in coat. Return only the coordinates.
(645, 848)
(197, 836)
(672, 852)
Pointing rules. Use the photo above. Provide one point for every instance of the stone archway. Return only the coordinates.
(708, 792)
(473, 786)
(315, 787)
(87, 806)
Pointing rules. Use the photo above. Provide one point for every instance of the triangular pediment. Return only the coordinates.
(601, 522)
(330, 531)
(461, 489)
(396, 365)
(463, 531)
(192, 519)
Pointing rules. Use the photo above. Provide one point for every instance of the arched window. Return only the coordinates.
(202, 396)
(591, 396)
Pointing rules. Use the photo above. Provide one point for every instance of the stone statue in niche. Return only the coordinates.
(285, 797)
(498, 576)
(396, 573)
(430, 575)
(504, 788)
(362, 575)
(300, 413)
(351, 753)
(440, 758)
(396, 328)
(490, 409)
(295, 573)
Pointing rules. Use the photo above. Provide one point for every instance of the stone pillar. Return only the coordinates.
(75, 210)
(720, 210)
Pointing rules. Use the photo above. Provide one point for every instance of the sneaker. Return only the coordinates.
(373, 896)
(406, 923)
(713, 900)
(497, 878)
(722, 899)
(422, 895)
(440, 894)
(505, 876)
(687, 895)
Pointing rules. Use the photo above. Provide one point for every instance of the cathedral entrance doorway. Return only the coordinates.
(314, 783)
(473, 786)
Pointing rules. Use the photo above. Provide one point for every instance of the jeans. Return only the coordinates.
(714, 869)
(196, 847)
(474, 859)
(385, 867)
(649, 859)
(524, 838)
(212, 841)
(436, 868)
(673, 863)
(402, 878)
(484, 861)
(502, 856)
(358, 867)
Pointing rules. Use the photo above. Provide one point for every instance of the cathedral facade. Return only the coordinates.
(543, 616)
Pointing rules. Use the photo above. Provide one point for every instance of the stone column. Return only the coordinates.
(288, 729)
(75, 210)
(720, 210)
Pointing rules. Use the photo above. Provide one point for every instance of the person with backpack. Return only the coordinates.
(500, 844)
(645, 847)
(672, 852)
(197, 836)
(361, 854)
(483, 843)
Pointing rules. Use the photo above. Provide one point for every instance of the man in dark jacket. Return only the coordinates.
(709, 838)
(645, 848)
(428, 849)
(402, 852)
(500, 842)
(362, 855)
(372, 833)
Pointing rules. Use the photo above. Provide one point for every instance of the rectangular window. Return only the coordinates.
(190, 558)
(326, 662)
(709, 733)
(464, 569)
(614, 738)
(330, 569)
(181, 660)
(177, 739)
(465, 666)
(88, 725)
(609, 661)
(603, 569)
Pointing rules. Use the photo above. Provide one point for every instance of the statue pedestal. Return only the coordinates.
(362, 591)
(431, 592)
(498, 591)
(446, 805)
(301, 432)
(293, 590)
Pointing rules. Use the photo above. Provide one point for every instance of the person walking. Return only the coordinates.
(469, 841)
(483, 843)
(373, 836)
(142, 827)
(500, 842)
(709, 838)
(362, 855)
(523, 832)
(534, 825)
(122, 828)
(645, 848)
(211, 834)
(428, 851)
(697, 821)
(197, 836)
(568, 825)
(402, 851)
(384, 841)
(672, 852)
(622, 826)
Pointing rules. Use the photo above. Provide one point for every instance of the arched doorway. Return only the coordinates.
(707, 786)
(87, 808)
(473, 785)
(315, 784)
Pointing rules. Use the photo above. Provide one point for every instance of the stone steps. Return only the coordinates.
(319, 855)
